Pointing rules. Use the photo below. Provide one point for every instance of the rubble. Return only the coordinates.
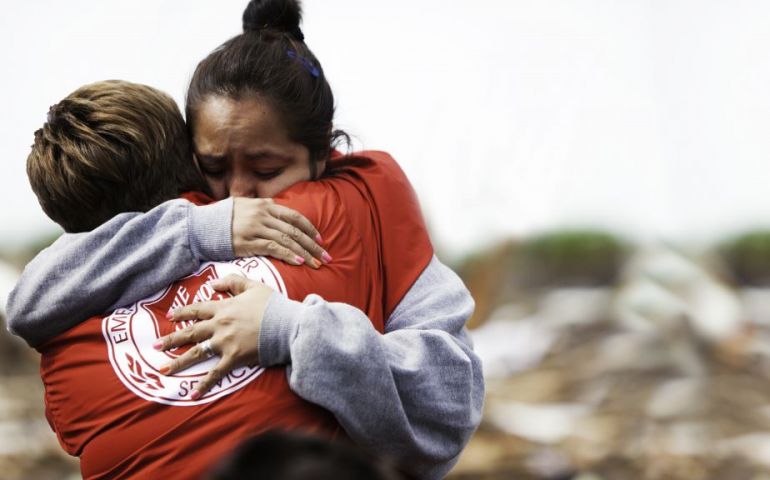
(29, 449)
(663, 376)
(8, 277)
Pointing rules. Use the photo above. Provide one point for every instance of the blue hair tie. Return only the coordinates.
(314, 71)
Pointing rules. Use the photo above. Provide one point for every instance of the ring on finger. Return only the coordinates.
(207, 349)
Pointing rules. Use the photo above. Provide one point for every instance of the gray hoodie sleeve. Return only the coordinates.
(127, 258)
(415, 393)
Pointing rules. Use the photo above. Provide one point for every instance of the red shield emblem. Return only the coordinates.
(193, 289)
(131, 332)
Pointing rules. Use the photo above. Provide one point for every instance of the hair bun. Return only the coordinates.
(278, 15)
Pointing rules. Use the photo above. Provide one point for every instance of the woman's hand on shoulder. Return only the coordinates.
(262, 227)
(229, 328)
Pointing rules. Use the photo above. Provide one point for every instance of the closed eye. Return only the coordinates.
(212, 172)
(212, 166)
(267, 175)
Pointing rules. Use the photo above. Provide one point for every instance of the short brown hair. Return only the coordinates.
(107, 148)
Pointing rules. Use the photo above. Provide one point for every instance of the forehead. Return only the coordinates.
(223, 124)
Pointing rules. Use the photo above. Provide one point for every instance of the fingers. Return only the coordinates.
(299, 242)
(196, 311)
(271, 248)
(194, 334)
(235, 284)
(262, 227)
(283, 234)
(191, 357)
(214, 376)
(296, 219)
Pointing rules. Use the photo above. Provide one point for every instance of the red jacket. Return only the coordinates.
(106, 399)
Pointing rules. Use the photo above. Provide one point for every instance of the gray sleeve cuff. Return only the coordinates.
(280, 323)
(210, 231)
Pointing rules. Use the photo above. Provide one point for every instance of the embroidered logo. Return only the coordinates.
(131, 332)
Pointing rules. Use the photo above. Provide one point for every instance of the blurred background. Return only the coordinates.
(594, 170)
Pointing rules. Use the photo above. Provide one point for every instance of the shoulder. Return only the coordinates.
(377, 176)
(371, 161)
(352, 185)
(332, 204)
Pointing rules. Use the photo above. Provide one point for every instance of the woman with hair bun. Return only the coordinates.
(260, 115)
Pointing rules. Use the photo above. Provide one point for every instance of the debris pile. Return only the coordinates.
(28, 447)
(663, 376)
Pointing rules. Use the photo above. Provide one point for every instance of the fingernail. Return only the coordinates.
(326, 257)
(169, 315)
(316, 263)
(299, 259)
(164, 369)
(216, 283)
(158, 345)
(195, 395)
(318, 239)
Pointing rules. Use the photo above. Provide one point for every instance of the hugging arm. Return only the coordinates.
(127, 258)
(136, 254)
(415, 392)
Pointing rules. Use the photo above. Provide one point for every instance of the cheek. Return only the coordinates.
(296, 175)
(284, 181)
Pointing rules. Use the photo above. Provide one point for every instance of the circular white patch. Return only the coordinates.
(131, 332)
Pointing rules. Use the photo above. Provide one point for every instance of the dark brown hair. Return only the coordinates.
(294, 456)
(270, 60)
(107, 148)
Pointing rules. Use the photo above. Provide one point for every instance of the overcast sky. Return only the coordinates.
(651, 118)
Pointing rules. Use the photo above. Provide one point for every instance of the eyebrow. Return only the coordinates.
(254, 156)
(259, 155)
(199, 153)
(209, 157)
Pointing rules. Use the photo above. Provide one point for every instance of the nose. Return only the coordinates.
(242, 186)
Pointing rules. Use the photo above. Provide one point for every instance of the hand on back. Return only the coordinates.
(262, 227)
(229, 328)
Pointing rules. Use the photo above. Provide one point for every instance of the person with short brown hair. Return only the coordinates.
(100, 135)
